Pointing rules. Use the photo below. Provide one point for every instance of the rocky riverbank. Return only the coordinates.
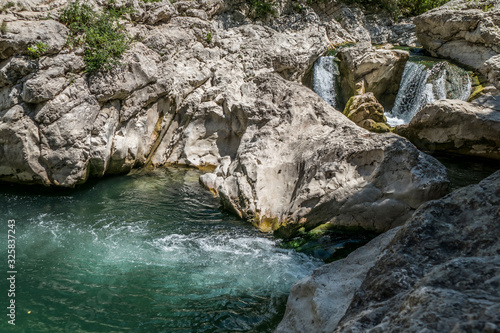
(220, 85)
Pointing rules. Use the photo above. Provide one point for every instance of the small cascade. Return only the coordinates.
(424, 82)
(325, 79)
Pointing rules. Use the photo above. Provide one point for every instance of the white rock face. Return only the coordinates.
(318, 302)
(366, 69)
(458, 127)
(465, 31)
(301, 161)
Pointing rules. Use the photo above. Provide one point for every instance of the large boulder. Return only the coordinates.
(458, 127)
(318, 302)
(366, 69)
(437, 273)
(302, 163)
(466, 31)
(441, 271)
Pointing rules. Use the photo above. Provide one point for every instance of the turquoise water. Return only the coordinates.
(147, 252)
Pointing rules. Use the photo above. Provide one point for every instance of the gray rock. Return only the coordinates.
(318, 302)
(20, 35)
(366, 69)
(441, 271)
(457, 127)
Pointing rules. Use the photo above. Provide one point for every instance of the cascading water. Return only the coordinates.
(325, 76)
(424, 82)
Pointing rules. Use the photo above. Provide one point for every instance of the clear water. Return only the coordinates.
(325, 78)
(148, 252)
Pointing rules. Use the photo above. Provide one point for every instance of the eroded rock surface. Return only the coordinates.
(457, 127)
(366, 69)
(318, 302)
(194, 89)
(300, 160)
(466, 31)
(440, 273)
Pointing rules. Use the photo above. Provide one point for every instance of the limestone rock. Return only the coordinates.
(491, 70)
(457, 127)
(318, 302)
(440, 272)
(366, 69)
(19, 148)
(139, 71)
(301, 161)
(367, 112)
(20, 35)
(465, 31)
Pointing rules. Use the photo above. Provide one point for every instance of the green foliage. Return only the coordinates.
(3, 27)
(8, 5)
(401, 8)
(261, 9)
(208, 38)
(37, 50)
(101, 33)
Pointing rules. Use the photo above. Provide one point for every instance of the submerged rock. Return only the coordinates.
(456, 127)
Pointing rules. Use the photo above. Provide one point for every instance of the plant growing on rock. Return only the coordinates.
(37, 50)
(261, 9)
(208, 38)
(401, 8)
(101, 34)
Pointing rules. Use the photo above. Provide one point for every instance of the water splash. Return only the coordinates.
(422, 84)
(325, 79)
(145, 253)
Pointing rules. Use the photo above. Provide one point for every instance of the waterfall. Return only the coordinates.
(422, 84)
(325, 76)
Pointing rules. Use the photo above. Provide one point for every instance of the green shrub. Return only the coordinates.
(103, 37)
(208, 38)
(261, 9)
(37, 50)
(401, 8)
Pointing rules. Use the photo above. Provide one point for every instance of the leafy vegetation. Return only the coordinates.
(401, 8)
(6, 6)
(208, 38)
(37, 50)
(3, 27)
(101, 34)
(260, 9)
